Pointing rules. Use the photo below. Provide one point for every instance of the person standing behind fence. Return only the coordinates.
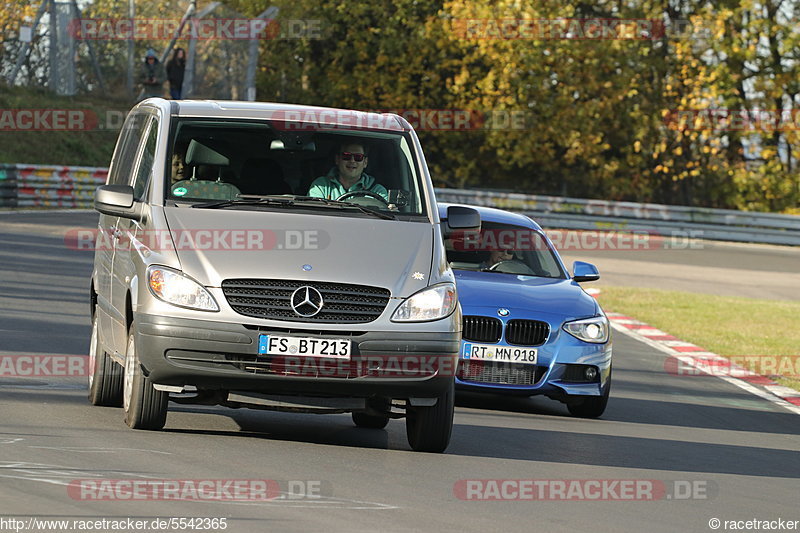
(152, 75)
(175, 69)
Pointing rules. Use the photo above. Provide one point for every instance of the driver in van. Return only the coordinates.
(347, 175)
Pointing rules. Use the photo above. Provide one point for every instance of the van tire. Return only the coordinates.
(364, 420)
(105, 376)
(429, 428)
(369, 419)
(145, 407)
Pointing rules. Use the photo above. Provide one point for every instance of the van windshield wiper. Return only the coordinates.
(247, 200)
(342, 205)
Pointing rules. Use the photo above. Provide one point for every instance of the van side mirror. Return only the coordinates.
(460, 218)
(117, 201)
(584, 272)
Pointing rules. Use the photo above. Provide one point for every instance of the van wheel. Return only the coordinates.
(370, 420)
(363, 420)
(145, 407)
(105, 375)
(429, 428)
(594, 406)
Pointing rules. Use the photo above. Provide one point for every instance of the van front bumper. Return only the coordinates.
(224, 357)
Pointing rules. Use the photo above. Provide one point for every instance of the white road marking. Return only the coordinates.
(82, 449)
(660, 346)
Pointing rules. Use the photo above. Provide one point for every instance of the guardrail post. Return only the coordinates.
(8, 186)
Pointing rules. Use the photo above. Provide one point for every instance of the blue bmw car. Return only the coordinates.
(529, 327)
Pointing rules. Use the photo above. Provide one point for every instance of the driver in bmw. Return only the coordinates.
(497, 256)
(347, 175)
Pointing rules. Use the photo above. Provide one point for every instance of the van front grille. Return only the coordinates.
(272, 299)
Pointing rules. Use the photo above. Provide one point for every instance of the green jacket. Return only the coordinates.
(329, 187)
(155, 72)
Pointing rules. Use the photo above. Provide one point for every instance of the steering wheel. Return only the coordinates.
(366, 194)
(515, 266)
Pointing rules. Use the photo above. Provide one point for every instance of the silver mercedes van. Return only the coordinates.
(275, 257)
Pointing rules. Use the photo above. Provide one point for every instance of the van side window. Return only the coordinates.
(146, 161)
(125, 155)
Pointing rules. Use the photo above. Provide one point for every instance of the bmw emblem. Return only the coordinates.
(503, 312)
(306, 267)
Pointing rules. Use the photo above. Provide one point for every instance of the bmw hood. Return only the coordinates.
(483, 293)
(213, 245)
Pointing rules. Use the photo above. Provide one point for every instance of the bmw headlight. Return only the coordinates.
(589, 329)
(178, 289)
(432, 303)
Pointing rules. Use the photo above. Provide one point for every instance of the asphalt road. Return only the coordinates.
(705, 267)
(741, 454)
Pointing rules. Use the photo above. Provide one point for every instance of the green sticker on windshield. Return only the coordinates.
(180, 191)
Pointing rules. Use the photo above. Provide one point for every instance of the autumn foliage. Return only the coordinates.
(689, 102)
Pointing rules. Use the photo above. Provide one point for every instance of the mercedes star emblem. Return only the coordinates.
(306, 301)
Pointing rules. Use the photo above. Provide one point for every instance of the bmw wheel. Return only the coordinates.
(594, 406)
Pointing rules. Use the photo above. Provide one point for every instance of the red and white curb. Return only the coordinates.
(702, 361)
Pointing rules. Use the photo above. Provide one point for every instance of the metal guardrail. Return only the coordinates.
(49, 185)
(699, 222)
(64, 186)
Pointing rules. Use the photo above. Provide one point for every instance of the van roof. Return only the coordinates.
(322, 116)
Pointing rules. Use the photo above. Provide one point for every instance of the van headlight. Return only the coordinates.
(178, 289)
(589, 329)
(432, 303)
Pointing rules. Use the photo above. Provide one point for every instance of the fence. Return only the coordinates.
(59, 186)
(49, 186)
(575, 213)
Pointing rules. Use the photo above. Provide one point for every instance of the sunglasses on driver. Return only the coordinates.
(347, 156)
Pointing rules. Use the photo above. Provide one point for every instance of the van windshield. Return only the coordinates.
(233, 163)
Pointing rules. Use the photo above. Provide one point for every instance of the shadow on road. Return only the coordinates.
(625, 452)
(335, 430)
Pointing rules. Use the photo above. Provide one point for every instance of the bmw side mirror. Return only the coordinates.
(584, 272)
(464, 219)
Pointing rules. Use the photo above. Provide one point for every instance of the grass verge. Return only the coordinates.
(91, 148)
(728, 326)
